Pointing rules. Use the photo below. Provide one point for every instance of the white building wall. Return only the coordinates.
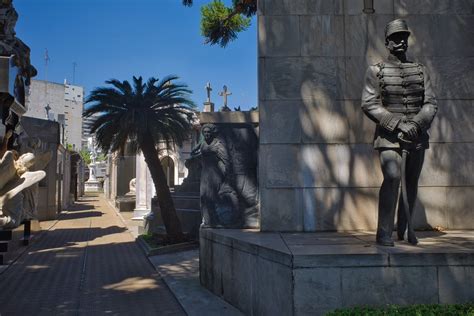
(62, 99)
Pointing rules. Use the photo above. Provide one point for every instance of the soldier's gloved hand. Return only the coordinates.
(9, 134)
(409, 129)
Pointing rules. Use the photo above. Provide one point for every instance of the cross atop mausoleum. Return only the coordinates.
(225, 93)
(208, 90)
(47, 108)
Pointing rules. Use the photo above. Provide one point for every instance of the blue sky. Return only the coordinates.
(121, 38)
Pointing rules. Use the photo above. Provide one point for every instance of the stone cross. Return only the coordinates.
(208, 89)
(224, 93)
(47, 108)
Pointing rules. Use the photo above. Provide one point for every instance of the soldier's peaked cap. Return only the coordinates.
(396, 26)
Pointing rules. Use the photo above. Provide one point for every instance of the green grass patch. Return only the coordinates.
(160, 240)
(412, 310)
(147, 237)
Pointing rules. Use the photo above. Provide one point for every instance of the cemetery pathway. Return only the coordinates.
(87, 263)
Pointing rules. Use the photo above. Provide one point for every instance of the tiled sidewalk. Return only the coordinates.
(86, 264)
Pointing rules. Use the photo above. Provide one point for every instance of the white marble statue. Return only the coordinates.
(18, 187)
(30, 194)
(92, 166)
(132, 185)
(132, 190)
(92, 176)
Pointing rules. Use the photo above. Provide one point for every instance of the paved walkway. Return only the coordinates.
(86, 264)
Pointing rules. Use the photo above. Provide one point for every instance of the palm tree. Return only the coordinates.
(141, 116)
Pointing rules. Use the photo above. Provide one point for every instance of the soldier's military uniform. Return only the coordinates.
(396, 92)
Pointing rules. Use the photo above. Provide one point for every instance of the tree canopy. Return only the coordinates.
(221, 24)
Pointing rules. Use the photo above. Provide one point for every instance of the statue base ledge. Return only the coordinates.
(265, 273)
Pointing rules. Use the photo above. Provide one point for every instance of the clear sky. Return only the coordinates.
(122, 38)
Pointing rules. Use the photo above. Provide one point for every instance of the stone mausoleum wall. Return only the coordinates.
(318, 170)
(49, 134)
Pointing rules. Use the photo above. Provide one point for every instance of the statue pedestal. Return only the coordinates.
(313, 273)
(93, 186)
(125, 203)
(208, 107)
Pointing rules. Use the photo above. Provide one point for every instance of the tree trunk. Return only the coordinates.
(168, 211)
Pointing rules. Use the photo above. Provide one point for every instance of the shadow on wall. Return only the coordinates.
(337, 165)
(340, 170)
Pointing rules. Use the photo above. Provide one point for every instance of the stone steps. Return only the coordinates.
(4, 246)
(187, 202)
(10, 234)
(190, 217)
(184, 193)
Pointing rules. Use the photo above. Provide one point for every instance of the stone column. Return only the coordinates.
(150, 189)
(143, 199)
(66, 181)
(113, 179)
(108, 175)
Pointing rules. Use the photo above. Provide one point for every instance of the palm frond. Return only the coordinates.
(122, 86)
(126, 112)
(138, 86)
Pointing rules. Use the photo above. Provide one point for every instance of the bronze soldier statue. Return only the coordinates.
(398, 97)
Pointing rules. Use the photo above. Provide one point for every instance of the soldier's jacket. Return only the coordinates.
(395, 91)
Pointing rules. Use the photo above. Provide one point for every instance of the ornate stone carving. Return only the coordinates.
(229, 191)
(12, 45)
(192, 182)
(15, 67)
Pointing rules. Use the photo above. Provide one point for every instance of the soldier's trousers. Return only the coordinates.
(391, 161)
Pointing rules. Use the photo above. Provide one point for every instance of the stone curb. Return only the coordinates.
(180, 271)
(150, 251)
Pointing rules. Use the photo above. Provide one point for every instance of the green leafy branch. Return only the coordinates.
(221, 24)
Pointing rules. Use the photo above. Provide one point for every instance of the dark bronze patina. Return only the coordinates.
(398, 97)
(228, 187)
(15, 70)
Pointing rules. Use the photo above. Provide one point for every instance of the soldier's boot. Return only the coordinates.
(401, 228)
(384, 238)
(412, 238)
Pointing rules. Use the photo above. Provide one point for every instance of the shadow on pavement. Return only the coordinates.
(74, 215)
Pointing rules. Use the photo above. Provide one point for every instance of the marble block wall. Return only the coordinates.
(317, 168)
